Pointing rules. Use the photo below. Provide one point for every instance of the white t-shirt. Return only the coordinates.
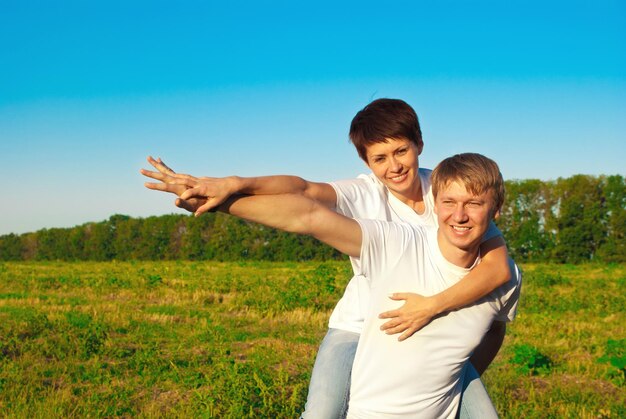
(367, 198)
(419, 377)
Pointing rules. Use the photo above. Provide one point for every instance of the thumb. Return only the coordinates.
(398, 296)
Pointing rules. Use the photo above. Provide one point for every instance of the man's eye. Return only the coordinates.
(402, 151)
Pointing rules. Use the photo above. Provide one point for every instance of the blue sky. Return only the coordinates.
(88, 89)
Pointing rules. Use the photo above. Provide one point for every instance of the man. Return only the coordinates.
(420, 376)
(387, 136)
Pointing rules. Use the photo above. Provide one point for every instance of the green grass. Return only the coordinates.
(191, 339)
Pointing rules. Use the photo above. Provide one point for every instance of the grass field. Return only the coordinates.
(187, 339)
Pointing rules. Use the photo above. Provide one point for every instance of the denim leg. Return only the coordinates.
(475, 401)
(330, 379)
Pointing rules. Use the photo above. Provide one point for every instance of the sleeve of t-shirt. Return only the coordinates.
(352, 194)
(510, 295)
(370, 239)
(384, 244)
(375, 247)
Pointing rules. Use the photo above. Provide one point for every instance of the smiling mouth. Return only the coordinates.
(460, 228)
(398, 178)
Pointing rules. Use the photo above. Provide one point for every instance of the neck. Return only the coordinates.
(464, 258)
(414, 198)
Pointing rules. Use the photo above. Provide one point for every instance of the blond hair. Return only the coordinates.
(479, 174)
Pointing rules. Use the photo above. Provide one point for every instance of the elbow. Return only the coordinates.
(504, 274)
(499, 271)
(509, 268)
(310, 220)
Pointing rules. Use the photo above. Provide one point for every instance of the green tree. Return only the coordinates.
(52, 244)
(126, 239)
(523, 219)
(98, 241)
(76, 244)
(614, 247)
(580, 221)
(197, 233)
(11, 247)
(154, 237)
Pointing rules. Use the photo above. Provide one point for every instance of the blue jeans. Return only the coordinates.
(475, 401)
(329, 388)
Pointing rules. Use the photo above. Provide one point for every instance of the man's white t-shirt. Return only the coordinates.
(367, 198)
(421, 376)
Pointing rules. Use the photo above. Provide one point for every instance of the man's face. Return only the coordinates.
(395, 163)
(463, 217)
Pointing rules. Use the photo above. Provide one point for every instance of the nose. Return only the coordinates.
(459, 214)
(394, 165)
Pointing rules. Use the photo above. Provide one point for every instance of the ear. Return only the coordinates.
(420, 147)
(496, 215)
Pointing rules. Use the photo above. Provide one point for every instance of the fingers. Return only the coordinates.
(165, 166)
(407, 333)
(197, 191)
(187, 205)
(184, 181)
(395, 328)
(160, 166)
(210, 204)
(389, 314)
(191, 205)
(153, 175)
(166, 187)
(390, 324)
(398, 296)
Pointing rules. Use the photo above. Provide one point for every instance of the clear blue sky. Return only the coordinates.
(89, 88)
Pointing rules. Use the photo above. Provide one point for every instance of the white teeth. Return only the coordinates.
(460, 228)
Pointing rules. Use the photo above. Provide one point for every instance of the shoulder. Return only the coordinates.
(425, 179)
(362, 197)
(425, 172)
(363, 181)
(394, 233)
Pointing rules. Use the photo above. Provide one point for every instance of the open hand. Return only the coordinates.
(213, 191)
(172, 182)
(415, 313)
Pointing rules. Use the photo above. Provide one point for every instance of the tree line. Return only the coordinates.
(569, 220)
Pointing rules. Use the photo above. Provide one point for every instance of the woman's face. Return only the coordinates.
(395, 163)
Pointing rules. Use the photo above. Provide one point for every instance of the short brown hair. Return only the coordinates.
(384, 119)
(478, 173)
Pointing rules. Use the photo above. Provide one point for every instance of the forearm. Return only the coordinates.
(493, 271)
(269, 185)
(485, 353)
(283, 184)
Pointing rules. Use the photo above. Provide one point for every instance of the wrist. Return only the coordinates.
(236, 184)
(438, 304)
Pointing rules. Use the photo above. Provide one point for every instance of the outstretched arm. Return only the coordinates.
(297, 214)
(214, 191)
(418, 310)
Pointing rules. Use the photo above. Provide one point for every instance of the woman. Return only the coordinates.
(387, 136)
